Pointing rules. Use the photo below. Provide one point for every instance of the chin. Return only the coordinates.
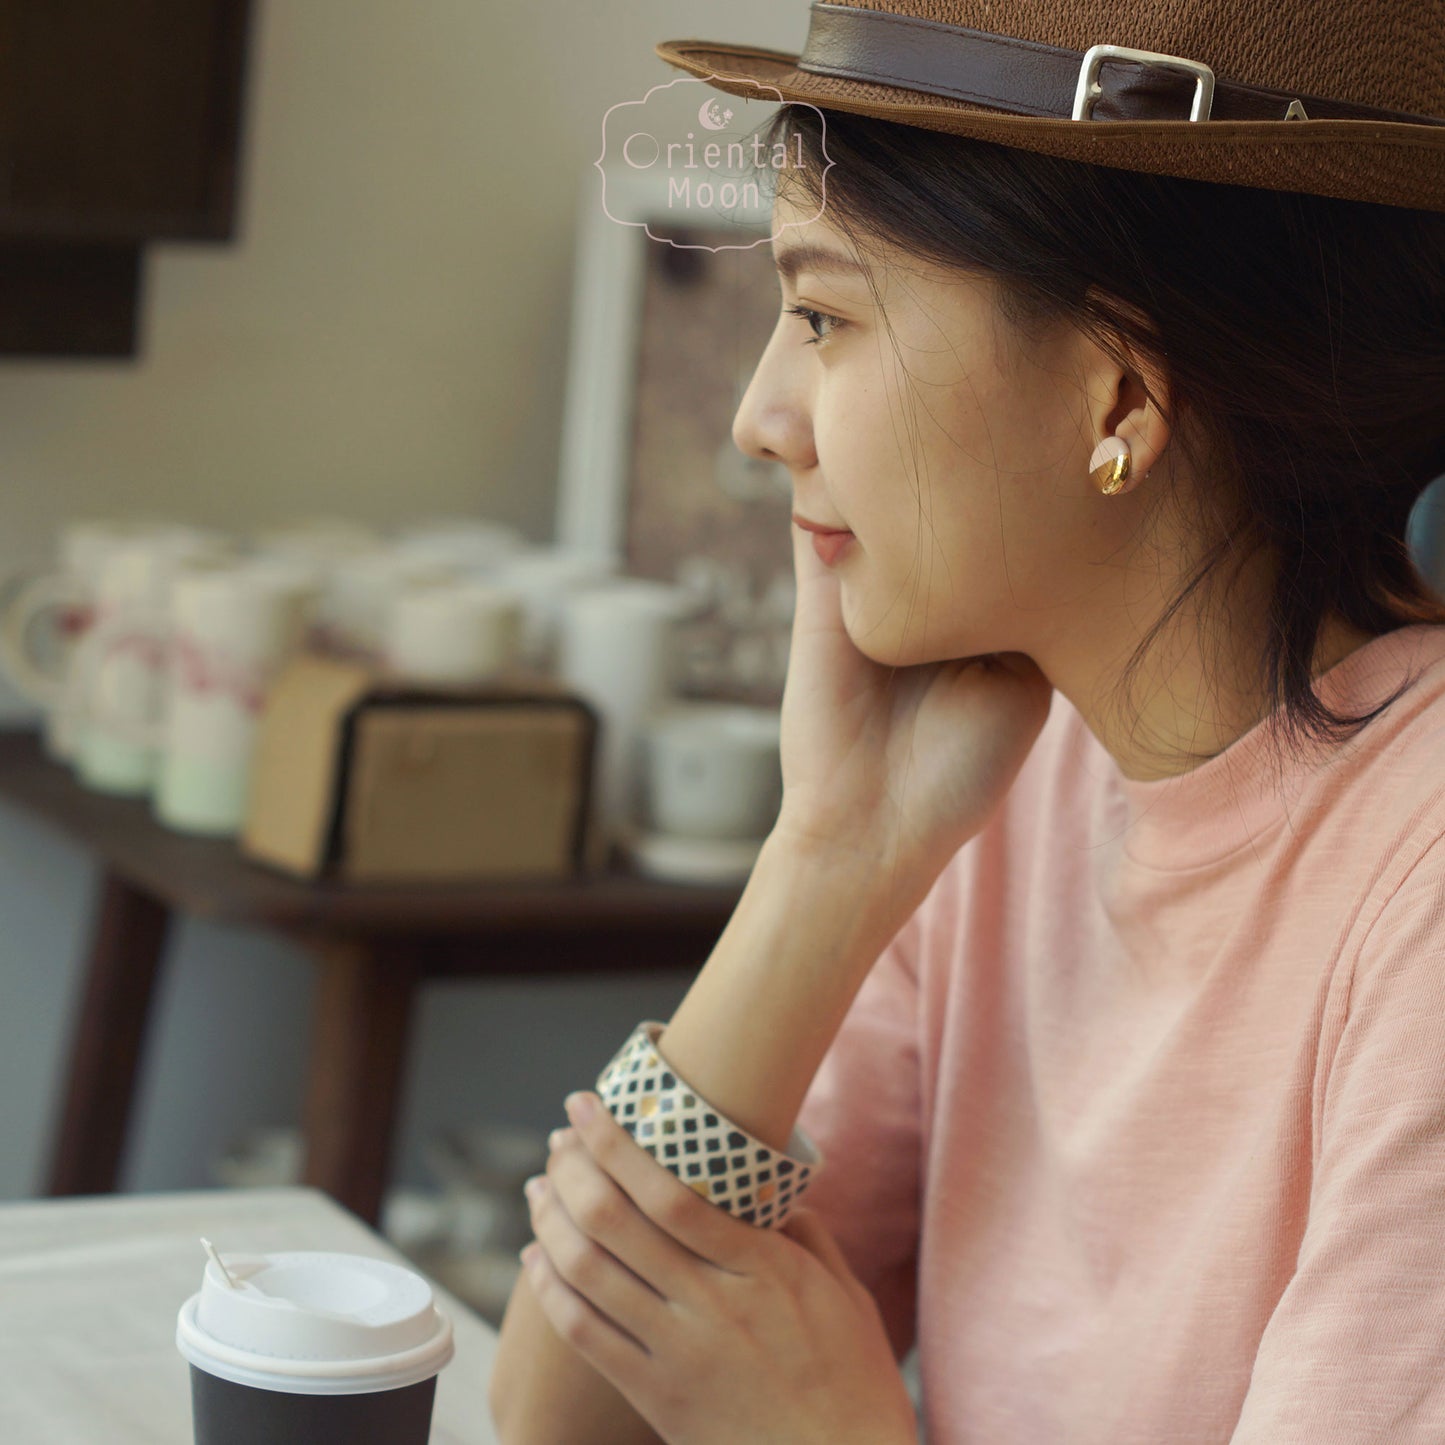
(892, 636)
(889, 647)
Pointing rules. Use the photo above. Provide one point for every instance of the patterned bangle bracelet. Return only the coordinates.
(691, 1139)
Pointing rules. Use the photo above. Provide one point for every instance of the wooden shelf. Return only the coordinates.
(372, 949)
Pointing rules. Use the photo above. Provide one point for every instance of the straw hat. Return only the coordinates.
(1336, 97)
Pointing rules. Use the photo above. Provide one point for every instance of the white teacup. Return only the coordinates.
(471, 543)
(454, 633)
(360, 593)
(325, 540)
(713, 770)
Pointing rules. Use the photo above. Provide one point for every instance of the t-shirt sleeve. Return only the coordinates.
(863, 1113)
(1355, 1349)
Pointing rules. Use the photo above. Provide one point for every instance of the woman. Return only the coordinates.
(1098, 946)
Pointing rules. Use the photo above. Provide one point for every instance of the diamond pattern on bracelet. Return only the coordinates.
(720, 1162)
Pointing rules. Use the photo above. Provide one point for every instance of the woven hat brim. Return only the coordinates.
(1387, 162)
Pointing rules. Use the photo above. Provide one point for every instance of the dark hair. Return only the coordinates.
(1303, 338)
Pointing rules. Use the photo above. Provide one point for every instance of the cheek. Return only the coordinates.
(955, 572)
(934, 588)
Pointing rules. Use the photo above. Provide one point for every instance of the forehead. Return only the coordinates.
(804, 239)
(793, 255)
(802, 226)
(809, 247)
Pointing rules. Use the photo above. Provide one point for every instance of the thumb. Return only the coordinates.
(805, 1227)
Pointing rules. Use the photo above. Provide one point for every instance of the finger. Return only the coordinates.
(611, 1351)
(680, 1210)
(604, 1212)
(805, 1226)
(590, 1269)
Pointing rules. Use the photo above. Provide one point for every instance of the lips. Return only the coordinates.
(828, 542)
(819, 528)
(831, 545)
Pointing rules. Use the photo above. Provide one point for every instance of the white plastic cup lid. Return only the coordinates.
(314, 1323)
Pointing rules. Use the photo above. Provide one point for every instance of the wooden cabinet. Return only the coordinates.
(120, 124)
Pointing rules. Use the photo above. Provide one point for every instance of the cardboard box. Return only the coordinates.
(360, 778)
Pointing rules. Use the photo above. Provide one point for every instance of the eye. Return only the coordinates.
(812, 317)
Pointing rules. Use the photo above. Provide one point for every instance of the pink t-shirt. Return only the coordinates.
(1140, 1120)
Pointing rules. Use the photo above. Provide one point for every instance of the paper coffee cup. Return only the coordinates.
(310, 1347)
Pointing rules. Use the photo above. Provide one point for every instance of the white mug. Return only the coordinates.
(233, 630)
(453, 633)
(326, 540)
(713, 770)
(226, 629)
(359, 594)
(48, 613)
(617, 650)
(543, 578)
(119, 663)
(469, 543)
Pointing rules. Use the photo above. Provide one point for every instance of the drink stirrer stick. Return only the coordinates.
(225, 1273)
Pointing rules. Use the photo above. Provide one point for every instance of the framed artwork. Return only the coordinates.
(667, 330)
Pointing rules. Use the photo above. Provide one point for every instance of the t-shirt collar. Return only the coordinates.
(1235, 797)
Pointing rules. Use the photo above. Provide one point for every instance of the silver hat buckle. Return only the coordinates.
(1089, 90)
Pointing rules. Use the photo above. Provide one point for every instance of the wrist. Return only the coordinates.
(755, 1024)
(843, 895)
(860, 873)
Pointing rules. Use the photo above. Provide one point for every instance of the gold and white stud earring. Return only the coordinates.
(1109, 466)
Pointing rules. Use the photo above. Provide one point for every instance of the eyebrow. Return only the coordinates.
(815, 258)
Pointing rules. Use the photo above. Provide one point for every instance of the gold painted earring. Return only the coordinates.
(1109, 466)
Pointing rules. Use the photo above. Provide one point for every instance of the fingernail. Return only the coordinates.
(555, 1138)
(536, 1186)
(580, 1107)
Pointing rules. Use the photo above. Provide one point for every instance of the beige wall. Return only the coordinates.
(388, 334)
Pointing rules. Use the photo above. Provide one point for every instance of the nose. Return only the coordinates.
(773, 421)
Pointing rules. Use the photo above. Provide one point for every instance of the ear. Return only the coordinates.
(1123, 392)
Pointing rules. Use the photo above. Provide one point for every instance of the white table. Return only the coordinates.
(89, 1290)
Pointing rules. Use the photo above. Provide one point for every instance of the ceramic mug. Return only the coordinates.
(543, 578)
(224, 632)
(617, 649)
(360, 592)
(455, 633)
(469, 543)
(324, 540)
(713, 771)
(47, 613)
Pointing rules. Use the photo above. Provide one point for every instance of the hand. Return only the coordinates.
(905, 763)
(714, 1330)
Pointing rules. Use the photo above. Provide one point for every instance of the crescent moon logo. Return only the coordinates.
(710, 118)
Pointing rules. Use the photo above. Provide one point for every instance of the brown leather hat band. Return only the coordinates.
(1025, 77)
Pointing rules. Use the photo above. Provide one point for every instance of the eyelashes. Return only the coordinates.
(812, 317)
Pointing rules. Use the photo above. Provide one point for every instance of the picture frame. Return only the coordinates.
(670, 319)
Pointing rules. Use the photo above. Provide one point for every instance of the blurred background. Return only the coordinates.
(382, 331)
(383, 337)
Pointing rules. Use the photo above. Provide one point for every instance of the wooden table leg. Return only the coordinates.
(127, 939)
(364, 997)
